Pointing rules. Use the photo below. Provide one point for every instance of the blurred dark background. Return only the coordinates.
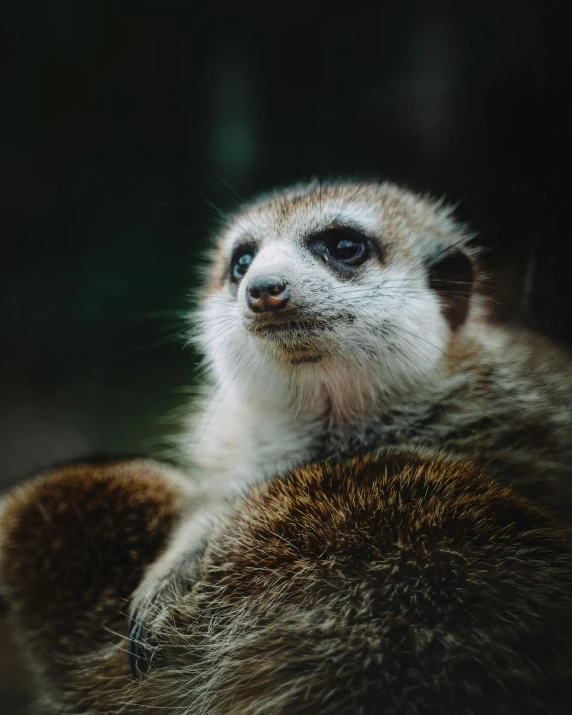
(127, 124)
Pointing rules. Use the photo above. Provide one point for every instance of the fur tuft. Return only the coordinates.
(372, 586)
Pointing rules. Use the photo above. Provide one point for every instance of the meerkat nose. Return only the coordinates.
(267, 293)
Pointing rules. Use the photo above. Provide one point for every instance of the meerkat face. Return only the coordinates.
(337, 278)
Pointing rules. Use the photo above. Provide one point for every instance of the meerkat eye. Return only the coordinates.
(345, 249)
(240, 263)
(342, 245)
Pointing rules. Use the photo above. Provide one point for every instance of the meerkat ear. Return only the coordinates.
(452, 275)
(74, 543)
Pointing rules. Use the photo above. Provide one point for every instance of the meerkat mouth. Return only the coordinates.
(290, 326)
(303, 326)
(297, 341)
(297, 338)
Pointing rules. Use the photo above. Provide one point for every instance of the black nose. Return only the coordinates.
(267, 293)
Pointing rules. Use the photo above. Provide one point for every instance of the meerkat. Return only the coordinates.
(384, 586)
(340, 318)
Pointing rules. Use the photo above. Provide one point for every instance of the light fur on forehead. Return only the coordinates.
(368, 205)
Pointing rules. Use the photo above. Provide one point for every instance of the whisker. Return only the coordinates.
(418, 337)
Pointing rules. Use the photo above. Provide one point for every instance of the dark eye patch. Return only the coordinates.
(343, 248)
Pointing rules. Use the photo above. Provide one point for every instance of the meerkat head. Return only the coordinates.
(334, 280)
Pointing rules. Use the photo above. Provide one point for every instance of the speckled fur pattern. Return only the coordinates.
(370, 587)
(374, 360)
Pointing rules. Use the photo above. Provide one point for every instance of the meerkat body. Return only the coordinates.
(380, 587)
(343, 318)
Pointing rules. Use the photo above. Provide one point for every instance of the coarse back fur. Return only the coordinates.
(373, 587)
(389, 348)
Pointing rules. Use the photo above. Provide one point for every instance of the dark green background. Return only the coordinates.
(123, 123)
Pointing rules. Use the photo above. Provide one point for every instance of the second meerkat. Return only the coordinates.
(344, 317)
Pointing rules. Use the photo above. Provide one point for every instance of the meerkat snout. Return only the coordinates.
(267, 293)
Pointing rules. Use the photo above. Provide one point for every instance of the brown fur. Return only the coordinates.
(374, 586)
(73, 546)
